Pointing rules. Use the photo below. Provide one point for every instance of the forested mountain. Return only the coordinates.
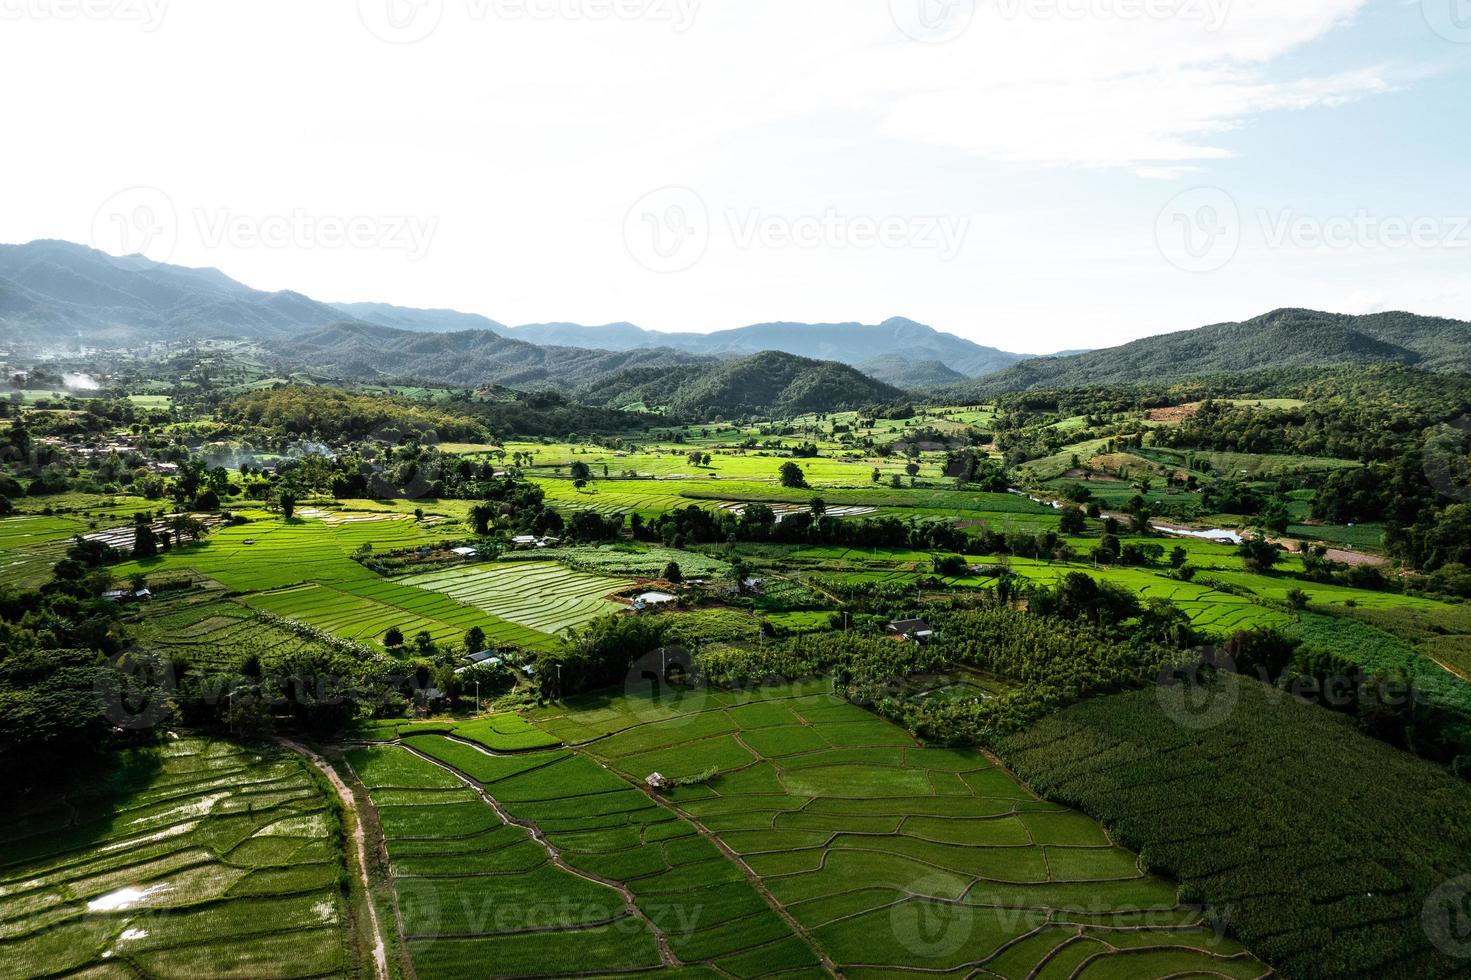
(53, 292)
(688, 386)
(58, 292)
(884, 350)
(424, 321)
(915, 375)
(471, 358)
(848, 343)
(1280, 339)
(770, 383)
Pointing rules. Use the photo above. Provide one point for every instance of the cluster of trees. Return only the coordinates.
(61, 669)
(693, 525)
(331, 415)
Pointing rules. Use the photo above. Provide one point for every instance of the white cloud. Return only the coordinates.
(527, 141)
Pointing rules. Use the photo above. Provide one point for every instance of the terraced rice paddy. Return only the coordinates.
(546, 864)
(893, 858)
(270, 553)
(544, 596)
(200, 858)
(365, 611)
(31, 543)
(210, 632)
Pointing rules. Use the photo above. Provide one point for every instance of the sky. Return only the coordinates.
(1034, 175)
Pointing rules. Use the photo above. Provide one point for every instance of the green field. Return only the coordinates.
(544, 596)
(210, 632)
(894, 857)
(608, 882)
(198, 858)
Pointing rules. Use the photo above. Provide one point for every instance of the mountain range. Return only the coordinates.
(1287, 338)
(55, 292)
(897, 345)
(52, 289)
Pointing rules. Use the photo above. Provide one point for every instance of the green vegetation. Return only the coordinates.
(885, 853)
(196, 857)
(1319, 845)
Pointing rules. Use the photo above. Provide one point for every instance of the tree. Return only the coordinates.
(740, 571)
(424, 644)
(145, 542)
(818, 506)
(581, 471)
(474, 639)
(481, 517)
(877, 475)
(792, 476)
(287, 502)
(912, 469)
(673, 573)
(1178, 557)
(394, 638)
(1259, 554)
(1073, 521)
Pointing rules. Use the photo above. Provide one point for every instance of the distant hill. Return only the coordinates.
(59, 292)
(770, 383)
(56, 291)
(471, 358)
(913, 375)
(688, 386)
(848, 343)
(423, 321)
(1280, 339)
(873, 347)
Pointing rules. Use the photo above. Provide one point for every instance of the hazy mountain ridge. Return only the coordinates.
(53, 291)
(772, 382)
(690, 386)
(1286, 338)
(849, 343)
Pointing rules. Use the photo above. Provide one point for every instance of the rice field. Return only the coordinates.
(548, 865)
(215, 633)
(271, 553)
(197, 858)
(544, 596)
(891, 857)
(365, 611)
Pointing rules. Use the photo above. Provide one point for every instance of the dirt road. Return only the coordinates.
(360, 845)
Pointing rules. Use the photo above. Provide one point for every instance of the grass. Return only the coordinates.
(199, 856)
